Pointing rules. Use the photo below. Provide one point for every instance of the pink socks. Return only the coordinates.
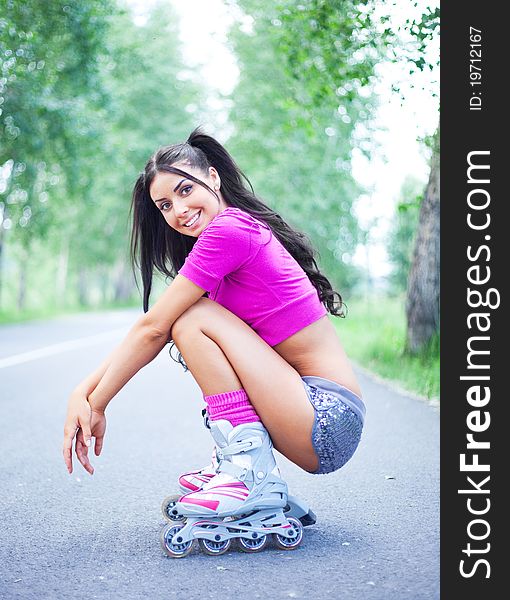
(234, 407)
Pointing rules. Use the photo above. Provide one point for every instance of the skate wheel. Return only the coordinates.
(177, 550)
(289, 543)
(213, 548)
(168, 509)
(253, 544)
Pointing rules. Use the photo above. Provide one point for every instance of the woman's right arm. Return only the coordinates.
(84, 419)
(145, 340)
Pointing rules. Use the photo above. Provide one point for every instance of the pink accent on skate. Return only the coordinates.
(226, 489)
(234, 484)
(188, 485)
(230, 495)
(202, 476)
(210, 504)
(239, 490)
(234, 407)
(206, 498)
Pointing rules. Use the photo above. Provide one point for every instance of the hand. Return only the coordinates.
(97, 428)
(82, 422)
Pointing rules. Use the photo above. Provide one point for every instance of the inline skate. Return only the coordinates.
(245, 500)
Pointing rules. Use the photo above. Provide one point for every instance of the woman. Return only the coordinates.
(247, 309)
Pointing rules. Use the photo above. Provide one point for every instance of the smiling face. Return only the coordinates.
(185, 205)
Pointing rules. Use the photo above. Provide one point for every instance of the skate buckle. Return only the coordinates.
(260, 475)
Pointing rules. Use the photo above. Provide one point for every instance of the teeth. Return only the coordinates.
(193, 220)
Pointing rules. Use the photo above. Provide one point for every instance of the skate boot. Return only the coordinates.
(244, 501)
(192, 481)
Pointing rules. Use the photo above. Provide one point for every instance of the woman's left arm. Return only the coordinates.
(145, 340)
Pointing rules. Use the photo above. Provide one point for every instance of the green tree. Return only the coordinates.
(148, 106)
(401, 237)
(48, 60)
(422, 300)
(296, 107)
(89, 97)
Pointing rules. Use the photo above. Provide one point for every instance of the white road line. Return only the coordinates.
(90, 340)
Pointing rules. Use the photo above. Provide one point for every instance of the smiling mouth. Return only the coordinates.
(193, 220)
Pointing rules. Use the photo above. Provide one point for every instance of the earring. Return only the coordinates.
(216, 188)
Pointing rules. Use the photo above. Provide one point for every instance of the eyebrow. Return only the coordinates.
(175, 189)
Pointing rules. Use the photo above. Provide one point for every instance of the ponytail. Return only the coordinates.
(216, 155)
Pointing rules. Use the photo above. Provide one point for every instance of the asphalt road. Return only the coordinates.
(68, 536)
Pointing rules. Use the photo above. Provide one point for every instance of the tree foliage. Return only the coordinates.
(50, 77)
(305, 81)
(85, 97)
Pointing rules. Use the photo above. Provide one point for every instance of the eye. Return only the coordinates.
(185, 190)
(165, 206)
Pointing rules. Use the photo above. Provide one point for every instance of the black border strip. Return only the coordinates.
(473, 120)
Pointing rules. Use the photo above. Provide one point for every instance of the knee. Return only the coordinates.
(191, 319)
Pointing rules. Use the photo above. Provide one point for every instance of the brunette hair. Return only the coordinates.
(155, 245)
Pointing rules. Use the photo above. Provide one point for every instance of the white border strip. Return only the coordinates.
(90, 340)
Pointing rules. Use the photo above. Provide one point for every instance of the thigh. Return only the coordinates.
(274, 387)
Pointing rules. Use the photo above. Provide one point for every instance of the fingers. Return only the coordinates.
(68, 446)
(80, 423)
(82, 452)
(87, 435)
(98, 425)
(98, 445)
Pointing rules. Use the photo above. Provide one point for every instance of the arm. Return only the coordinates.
(145, 340)
(226, 244)
(143, 343)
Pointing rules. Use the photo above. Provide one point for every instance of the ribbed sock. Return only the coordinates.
(234, 407)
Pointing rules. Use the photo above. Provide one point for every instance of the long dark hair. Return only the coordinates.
(155, 245)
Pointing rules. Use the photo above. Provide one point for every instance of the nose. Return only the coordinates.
(180, 210)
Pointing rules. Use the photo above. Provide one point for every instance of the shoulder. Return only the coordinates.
(232, 216)
(237, 223)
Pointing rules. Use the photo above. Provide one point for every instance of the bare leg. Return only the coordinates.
(224, 354)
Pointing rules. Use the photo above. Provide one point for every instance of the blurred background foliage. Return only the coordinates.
(87, 93)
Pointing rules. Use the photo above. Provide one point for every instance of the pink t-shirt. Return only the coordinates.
(245, 268)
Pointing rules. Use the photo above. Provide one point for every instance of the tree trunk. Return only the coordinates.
(422, 304)
(2, 244)
(3, 235)
(123, 282)
(22, 285)
(62, 272)
(83, 287)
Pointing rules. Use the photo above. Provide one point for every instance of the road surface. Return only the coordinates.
(69, 536)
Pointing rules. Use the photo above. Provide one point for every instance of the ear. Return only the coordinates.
(215, 177)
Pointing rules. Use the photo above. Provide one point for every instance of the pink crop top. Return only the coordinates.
(245, 268)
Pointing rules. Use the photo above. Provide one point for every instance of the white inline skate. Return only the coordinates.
(244, 500)
(194, 481)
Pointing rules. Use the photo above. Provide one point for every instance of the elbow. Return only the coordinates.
(153, 332)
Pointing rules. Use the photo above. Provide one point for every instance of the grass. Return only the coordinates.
(50, 312)
(373, 334)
